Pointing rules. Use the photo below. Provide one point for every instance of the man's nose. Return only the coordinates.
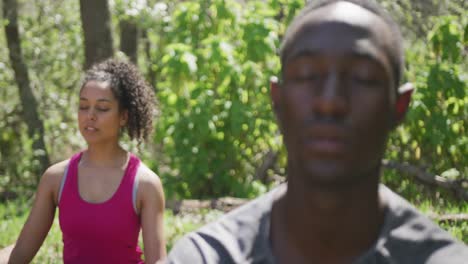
(331, 100)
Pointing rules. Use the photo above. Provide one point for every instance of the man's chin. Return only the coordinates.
(329, 176)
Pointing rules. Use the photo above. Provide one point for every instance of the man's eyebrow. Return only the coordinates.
(355, 54)
(302, 53)
(366, 55)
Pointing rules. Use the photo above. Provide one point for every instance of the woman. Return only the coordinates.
(105, 195)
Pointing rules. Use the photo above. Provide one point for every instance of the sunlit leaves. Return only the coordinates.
(179, 64)
(434, 135)
(447, 39)
(216, 118)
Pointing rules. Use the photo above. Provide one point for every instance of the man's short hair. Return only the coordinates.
(395, 54)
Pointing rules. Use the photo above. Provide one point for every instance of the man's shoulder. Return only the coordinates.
(410, 235)
(240, 234)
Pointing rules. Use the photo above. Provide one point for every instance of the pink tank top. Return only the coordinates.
(99, 232)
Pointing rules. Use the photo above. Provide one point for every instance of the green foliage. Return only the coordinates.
(51, 45)
(19, 160)
(216, 119)
(212, 61)
(176, 226)
(448, 39)
(457, 229)
(434, 134)
(13, 215)
(416, 16)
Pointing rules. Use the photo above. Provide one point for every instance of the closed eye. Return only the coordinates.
(365, 81)
(306, 78)
(309, 77)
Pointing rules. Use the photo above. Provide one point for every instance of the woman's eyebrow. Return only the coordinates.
(99, 100)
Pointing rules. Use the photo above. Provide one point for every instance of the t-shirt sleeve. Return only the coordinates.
(193, 248)
(185, 250)
(455, 253)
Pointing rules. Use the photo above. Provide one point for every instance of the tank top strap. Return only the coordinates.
(70, 183)
(74, 160)
(131, 171)
(73, 169)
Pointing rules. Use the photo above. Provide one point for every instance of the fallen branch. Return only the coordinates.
(459, 187)
(269, 161)
(229, 203)
(450, 218)
(225, 204)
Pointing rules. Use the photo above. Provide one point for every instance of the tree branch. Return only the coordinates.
(225, 204)
(450, 218)
(459, 186)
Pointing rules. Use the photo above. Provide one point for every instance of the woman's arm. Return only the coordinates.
(152, 213)
(40, 218)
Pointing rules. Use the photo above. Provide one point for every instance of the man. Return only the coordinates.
(337, 102)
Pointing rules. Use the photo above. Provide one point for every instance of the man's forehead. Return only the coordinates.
(344, 12)
(341, 26)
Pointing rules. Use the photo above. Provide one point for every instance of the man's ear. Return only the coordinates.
(402, 101)
(275, 93)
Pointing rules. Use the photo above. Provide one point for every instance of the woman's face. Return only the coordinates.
(99, 116)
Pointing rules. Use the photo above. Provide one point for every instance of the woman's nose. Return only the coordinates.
(92, 114)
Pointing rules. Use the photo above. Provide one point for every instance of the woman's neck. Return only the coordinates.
(109, 156)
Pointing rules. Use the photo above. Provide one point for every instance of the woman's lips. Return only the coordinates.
(90, 129)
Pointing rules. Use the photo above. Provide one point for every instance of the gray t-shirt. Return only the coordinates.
(242, 236)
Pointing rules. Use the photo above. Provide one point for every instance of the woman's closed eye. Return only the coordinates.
(100, 109)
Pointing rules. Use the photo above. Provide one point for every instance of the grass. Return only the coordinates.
(13, 215)
(460, 229)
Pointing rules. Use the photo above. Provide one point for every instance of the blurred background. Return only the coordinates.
(210, 62)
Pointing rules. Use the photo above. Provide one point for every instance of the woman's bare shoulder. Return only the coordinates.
(149, 183)
(52, 177)
(57, 170)
(146, 175)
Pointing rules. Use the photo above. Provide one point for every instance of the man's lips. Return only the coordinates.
(326, 139)
(325, 146)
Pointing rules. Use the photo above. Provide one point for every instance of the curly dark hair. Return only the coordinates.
(133, 93)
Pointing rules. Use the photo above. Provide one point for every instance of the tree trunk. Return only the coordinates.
(95, 19)
(129, 39)
(151, 73)
(28, 101)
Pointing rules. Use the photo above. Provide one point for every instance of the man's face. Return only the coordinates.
(334, 105)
